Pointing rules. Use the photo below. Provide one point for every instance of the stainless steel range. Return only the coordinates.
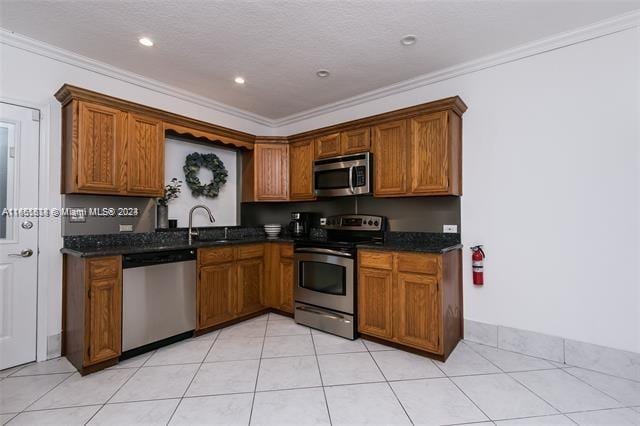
(325, 273)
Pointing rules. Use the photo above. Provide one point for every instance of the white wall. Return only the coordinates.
(32, 79)
(224, 206)
(551, 187)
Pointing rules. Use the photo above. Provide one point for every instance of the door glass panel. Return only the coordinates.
(323, 277)
(332, 179)
(7, 177)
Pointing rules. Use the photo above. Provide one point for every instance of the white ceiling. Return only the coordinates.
(277, 45)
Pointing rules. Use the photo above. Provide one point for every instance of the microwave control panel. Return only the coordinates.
(360, 176)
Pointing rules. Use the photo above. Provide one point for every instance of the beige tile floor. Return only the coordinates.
(271, 371)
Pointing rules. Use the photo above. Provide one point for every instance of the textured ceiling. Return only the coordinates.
(278, 45)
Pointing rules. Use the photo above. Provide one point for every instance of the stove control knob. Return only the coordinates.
(375, 223)
(370, 222)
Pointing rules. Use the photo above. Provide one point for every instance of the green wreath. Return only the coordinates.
(192, 166)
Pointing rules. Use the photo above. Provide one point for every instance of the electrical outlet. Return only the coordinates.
(450, 229)
(126, 228)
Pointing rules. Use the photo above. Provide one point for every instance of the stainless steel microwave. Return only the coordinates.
(346, 175)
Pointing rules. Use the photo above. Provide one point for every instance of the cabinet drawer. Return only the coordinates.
(286, 250)
(249, 251)
(418, 263)
(210, 256)
(105, 267)
(376, 260)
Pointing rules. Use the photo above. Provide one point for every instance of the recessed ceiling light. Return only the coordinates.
(239, 80)
(408, 40)
(323, 73)
(145, 41)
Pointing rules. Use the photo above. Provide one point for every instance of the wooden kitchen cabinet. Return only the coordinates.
(301, 156)
(355, 141)
(435, 151)
(390, 149)
(375, 299)
(92, 316)
(271, 172)
(411, 299)
(343, 143)
(215, 294)
(278, 293)
(250, 284)
(328, 146)
(145, 156)
(97, 133)
(108, 151)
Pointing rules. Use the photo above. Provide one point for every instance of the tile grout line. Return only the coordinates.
(456, 385)
(119, 387)
(599, 390)
(389, 384)
(324, 392)
(213, 342)
(46, 393)
(255, 386)
(518, 381)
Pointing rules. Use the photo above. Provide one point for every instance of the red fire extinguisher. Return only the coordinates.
(477, 258)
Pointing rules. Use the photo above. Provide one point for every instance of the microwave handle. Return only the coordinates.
(351, 169)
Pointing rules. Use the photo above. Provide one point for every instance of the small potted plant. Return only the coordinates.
(171, 192)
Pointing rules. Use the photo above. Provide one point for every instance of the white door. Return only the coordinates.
(19, 139)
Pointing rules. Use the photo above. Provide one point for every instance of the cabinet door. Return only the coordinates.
(145, 156)
(418, 311)
(285, 275)
(355, 141)
(271, 172)
(429, 154)
(390, 158)
(215, 294)
(250, 282)
(103, 315)
(301, 156)
(375, 302)
(99, 143)
(328, 146)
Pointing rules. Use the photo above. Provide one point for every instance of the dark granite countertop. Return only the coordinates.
(422, 242)
(115, 244)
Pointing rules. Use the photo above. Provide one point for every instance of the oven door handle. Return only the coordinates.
(323, 251)
(351, 169)
(323, 313)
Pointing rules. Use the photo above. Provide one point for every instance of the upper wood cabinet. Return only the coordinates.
(355, 141)
(390, 155)
(301, 155)
(343, 143)
(145, 156)
(328, 146)
(112, 152)
(97, 137)
(270, 169)
(418, 156)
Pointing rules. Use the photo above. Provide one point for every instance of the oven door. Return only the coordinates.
(348, 175)
(324, 278)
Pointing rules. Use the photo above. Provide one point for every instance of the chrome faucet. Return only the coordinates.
(193, 233)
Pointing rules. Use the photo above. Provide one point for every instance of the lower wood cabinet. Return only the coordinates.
(92, 316)
(279, 283)
(411, 299)
(216, 294)
(235, 281)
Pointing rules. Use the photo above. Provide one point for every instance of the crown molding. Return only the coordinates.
(38, 47)
(579, 35)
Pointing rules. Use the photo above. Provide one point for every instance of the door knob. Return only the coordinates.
(23, 253)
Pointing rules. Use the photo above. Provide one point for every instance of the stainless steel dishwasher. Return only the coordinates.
(158, 298)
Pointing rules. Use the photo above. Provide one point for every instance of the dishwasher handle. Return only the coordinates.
(157, 258)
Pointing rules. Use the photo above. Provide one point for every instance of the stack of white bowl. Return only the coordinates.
(272, 230)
